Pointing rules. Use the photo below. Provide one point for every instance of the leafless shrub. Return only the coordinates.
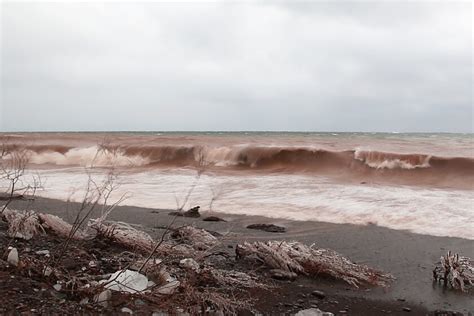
(17, 185)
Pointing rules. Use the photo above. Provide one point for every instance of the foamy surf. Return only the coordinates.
(419, 183)
(298, 197)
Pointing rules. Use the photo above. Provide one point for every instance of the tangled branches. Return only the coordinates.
(308, 260)
(456, 271)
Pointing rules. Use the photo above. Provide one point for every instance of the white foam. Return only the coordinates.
(298, 197)
(86, 157)
(389, 163)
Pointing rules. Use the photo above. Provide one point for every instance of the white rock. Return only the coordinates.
(13, 257)
(57, 287)
(127, 281)
(168, 288)
(43, 252)
(47, 271)
(313, 312)
(126, 310)
(104, 297)
(190, 264)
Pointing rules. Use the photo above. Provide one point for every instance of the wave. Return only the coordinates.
(250, 157)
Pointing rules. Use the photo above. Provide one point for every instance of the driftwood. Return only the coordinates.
(455, 271)
(26, 224)
(58, 226)
(199, 239)
(122, 233)
(309, 260)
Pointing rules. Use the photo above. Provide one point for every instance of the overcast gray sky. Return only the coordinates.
(311, 66)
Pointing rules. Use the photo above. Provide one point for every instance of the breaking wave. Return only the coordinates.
(362, 163)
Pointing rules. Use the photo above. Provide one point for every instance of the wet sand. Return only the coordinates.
(409, 257)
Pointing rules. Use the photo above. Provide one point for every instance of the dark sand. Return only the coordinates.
(409, 257)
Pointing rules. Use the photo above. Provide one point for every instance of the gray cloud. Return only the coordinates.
(237, 66)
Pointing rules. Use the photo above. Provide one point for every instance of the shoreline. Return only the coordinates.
(408, 256)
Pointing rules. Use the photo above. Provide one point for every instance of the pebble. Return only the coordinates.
(319, 294)
(126, 310)
(104, 297)
(139, 303)
(283, 275)
(13, 257)
(406, 309)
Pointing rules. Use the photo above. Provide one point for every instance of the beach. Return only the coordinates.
(409, 257)
(392, 202)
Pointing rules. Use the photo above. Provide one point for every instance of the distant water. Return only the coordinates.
(420, 182)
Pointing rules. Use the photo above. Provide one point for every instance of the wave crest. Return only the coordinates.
(382, 160)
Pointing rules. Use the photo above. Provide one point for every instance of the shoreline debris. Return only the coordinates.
(309, 260)
(456, 272)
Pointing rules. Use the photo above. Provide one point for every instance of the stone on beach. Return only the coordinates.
(268, 228)
(104, 297)
(13, 257)
(192, 212)
(213, 219)
(189, 264)
(313, 312)
(283, 275)
(127, 281)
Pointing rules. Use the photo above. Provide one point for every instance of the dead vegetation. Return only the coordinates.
(455, 271)
(309, 260)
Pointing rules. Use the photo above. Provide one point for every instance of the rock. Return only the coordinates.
(43, 252)
(13, 257)
(127, 281)
(189, 264)
(169, 288)
(406, 309)
(192, 212)
(139, 302)
(126, 310)
(268, 228)
(283, 275)
(213, 219)
(318, 294)
(104, 297)
(57, 287)
(47, 271)
(313, 312)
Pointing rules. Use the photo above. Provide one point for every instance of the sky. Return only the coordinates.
(231, 66)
